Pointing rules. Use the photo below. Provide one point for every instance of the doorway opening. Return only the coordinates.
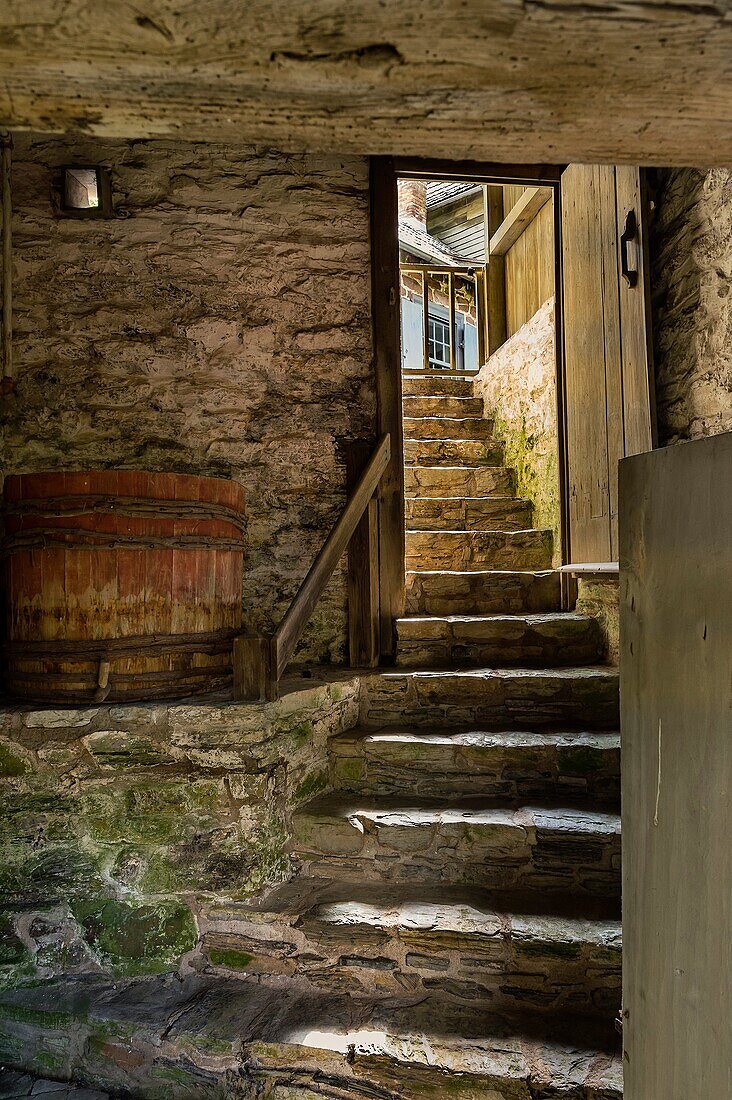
(479, 367)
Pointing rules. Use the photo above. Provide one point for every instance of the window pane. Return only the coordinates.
(439, 332)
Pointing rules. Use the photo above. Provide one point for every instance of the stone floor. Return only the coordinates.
(14, 1085)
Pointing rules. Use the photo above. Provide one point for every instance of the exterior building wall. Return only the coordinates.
(412, 313)
(219, 324)
(691, 279)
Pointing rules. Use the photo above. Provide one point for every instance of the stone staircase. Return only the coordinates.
(459, 884)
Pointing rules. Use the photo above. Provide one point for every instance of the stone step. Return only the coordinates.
(162, 1036)
(453, 452)
(466, 550)
(437, 385)
(545, 640)
(458, 481)
(448, 592)
(572, 767)
(447, 427)
(442, 405)
(465, 952)
(492, 697)
(544, 850)
(504, 513)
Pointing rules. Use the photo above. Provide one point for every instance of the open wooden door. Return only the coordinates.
(607, 369)
(676, 702)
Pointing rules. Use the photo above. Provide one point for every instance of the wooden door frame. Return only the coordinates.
(384, 174)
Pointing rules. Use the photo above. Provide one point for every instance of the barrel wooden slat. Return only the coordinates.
(83, 593)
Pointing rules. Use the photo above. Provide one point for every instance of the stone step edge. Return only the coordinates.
(513, 534)
(448, 920)
(499, 498)
(142, 1048)
(549, 738)
(489, 444)
(609, 674)
(339, 809)
(424, 1068)
(470, 467)
(474, 418)
(480, 572)
(530, 618)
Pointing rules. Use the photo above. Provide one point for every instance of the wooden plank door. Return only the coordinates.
(607, 369)
(676, 722)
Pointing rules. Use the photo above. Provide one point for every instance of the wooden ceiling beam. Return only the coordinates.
(519, 217)
(542, 81)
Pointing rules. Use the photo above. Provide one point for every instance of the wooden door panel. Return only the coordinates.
(586, 426)
(676, 715)
(612, 347)
(607, 393)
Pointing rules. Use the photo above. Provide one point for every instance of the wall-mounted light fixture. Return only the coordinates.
(86, 192)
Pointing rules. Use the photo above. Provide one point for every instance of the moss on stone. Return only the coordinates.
(298, 733)
(141, 939)
(582, 760)
(152, 810)
(120, 750)
(349, 770)
(230, 958)
(312, 784)
(43, 877)
(11, 763)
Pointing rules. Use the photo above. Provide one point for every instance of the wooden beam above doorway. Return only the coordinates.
(543, 81)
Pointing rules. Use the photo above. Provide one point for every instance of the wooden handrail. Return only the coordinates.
(260, 661)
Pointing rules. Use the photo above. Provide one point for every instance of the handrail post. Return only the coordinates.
(363, 569)
(260, 661)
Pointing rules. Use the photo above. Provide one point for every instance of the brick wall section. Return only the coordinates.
(220, 324)
(691, 271)
(413, 202)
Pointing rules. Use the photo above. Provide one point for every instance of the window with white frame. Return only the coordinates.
(439, 334)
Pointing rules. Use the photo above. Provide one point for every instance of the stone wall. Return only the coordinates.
(518, 385)
(120, 823)
(218, 324)
(599, 596)
(691, 273)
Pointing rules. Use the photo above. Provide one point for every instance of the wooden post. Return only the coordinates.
(363, 569)
(426, 319)
(496, 273)
(6, 214)
(253, 668)
(387, 358)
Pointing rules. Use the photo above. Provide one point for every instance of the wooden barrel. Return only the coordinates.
(120, 585)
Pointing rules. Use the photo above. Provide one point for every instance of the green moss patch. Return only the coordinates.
(11, 763)
(142, 939)
(230, 958)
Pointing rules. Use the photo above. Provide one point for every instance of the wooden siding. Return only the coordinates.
(461, 226)
(529, 266)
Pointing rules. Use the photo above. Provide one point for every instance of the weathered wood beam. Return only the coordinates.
(519, 217)
(363, 569)
(6, 265)
(386, 313)
(542, 80)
